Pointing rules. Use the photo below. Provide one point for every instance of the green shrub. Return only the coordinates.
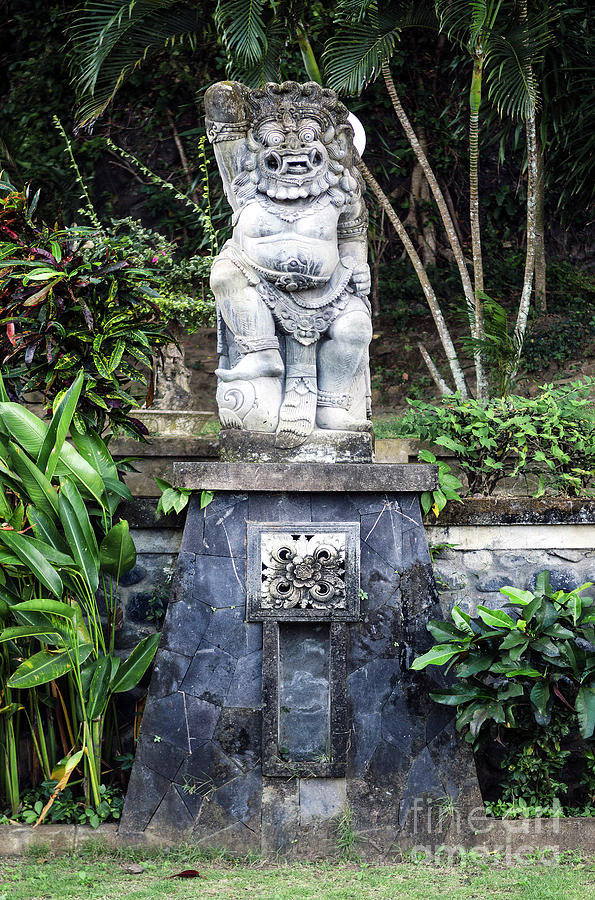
(526, 680)
(70, 298)
(551, 436)
(184, 296)
(59, 543)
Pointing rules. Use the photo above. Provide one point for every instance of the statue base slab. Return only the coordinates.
(322, 446)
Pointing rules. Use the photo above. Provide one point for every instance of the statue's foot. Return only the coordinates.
(258, 364)
(337, 419)
(296, 417)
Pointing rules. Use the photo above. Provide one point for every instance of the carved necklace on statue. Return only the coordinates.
(292, 215)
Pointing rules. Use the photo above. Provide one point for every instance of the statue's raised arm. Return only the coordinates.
(227, 128)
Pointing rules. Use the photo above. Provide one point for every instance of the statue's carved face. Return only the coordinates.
(293, 150)
(297, 151)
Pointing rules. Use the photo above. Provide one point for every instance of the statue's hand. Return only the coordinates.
(360, 279)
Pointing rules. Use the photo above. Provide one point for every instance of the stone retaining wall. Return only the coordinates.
(482, 545)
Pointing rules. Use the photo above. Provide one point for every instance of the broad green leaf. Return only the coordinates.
(545, 646)
(18, 632)
(94, 450)
(71, 463)
(540, 698)
(513, 639)
(529, 673)
(517, 594)
(55, 557)
(45, 530)
(24, 427)
(53, 607)
(542, 585)
(117, 554)
(9, 559)
(51, 448)
(450, 444)
(495, 618)
(23, 548)
(585, 708)
(480, 662)
(132, 669)
(531, 609)
(206, 497)
(40, 491)
(29, 431)
(83, 549)
(514, 689)
(70, 491)
(460, 693)
(445, 631)
(40, 668)
(436, 656)
(98, 689)
(461, 619)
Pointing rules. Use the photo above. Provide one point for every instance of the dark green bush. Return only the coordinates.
(70, 299)
(527, 681)
(551, 436)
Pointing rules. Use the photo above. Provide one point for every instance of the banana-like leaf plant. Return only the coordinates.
(59, 542)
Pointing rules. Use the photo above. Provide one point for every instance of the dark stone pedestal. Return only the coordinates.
(232, 751)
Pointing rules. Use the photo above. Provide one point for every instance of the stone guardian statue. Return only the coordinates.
(292, 284)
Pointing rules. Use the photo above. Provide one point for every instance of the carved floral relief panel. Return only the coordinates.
(303, 571)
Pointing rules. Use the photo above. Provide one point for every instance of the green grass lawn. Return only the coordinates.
(101, 875)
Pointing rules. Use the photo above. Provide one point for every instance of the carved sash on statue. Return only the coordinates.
(291, 285)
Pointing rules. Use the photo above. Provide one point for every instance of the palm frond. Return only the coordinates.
(366, 38)
(512, 59)
(109, 39)
(463, 20)
(354, 57)
(267, 66)
(243, 29)
(355, 10)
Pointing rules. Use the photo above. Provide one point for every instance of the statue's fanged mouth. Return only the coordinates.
(283, 163)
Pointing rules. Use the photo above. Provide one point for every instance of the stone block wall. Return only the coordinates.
(483, 545)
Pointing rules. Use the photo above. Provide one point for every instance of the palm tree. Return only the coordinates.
(504, 46)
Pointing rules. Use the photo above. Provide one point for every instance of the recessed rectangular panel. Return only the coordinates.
(304, 692)
(304, 716)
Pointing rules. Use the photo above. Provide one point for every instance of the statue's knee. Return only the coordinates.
(226, 278)
(353, 329)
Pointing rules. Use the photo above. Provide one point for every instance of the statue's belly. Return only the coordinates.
(307, 245)
(283, 254)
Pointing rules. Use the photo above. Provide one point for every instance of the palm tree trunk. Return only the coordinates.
(474, 104)
(540, 261)
(532, 179)
(308, 58)
(451, 353)
(525, 301)
(475, 322)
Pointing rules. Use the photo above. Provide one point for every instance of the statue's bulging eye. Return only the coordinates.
(274, 138)
(308, 135)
